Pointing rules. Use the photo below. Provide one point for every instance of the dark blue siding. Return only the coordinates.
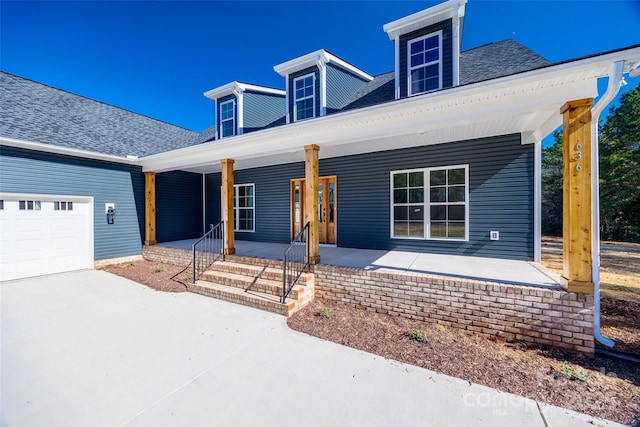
(272, 187)
(25, 171)
(341, 86)
(178, 206)
(500, 197)
(447, 54)
(291, 90)
(261, 110)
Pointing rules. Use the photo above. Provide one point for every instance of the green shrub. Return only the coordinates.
(158, 269)
(326, 312)
(575, 374)
(416, 335)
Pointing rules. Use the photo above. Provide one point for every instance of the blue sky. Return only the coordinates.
(158, 57)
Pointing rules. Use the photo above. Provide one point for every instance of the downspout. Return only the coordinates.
(615, 80)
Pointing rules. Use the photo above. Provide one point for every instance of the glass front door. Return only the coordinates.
(327, 208)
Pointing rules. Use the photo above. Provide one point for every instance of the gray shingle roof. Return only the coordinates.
(485, 62)
(39, 113)
(498, 59)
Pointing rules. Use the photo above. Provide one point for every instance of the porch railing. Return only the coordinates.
(295, 261)
(207, 250)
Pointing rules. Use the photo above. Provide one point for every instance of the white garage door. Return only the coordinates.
(44, 234)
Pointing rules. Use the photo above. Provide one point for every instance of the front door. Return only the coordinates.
(327, 208)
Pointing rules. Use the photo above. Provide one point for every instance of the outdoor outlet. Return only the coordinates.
(109, 205)
(495, 235)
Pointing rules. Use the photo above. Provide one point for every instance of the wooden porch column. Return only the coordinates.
(577, 204)
(150, 208)
(227, 206)
(312, 170)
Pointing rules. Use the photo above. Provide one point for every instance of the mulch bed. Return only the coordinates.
(611, 392)
(162, 277)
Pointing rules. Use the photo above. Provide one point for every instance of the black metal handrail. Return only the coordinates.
(207, 250)
(295, 261)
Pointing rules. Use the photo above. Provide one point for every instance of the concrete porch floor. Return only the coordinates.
(490, 269)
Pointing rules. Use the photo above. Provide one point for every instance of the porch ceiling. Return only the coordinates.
(527, 103)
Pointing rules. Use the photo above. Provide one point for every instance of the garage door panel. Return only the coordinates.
(45, 241)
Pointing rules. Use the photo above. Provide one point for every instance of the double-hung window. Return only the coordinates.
(430, 203)
(227, 119)
(425, 63)
(304, 97)
(244, 207)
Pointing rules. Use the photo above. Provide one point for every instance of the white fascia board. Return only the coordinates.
(48, 148)
(313, 58)
(540, 91)
(423, 18)
(231, 88)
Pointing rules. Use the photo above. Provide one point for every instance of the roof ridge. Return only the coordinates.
(94, 100)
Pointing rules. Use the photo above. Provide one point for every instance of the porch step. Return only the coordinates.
(254, 285)
(240, 296)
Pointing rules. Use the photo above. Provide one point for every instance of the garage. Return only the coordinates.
(44, 234)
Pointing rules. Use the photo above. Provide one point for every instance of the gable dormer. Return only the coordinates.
(318, 84)
(427, 48)
(242, 108)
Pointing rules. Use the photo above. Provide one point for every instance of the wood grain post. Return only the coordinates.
(227, 206)
(577, 189)
(150, 208)
(312, 173)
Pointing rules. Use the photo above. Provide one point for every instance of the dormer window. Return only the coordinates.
(305, 98)
(227, 119)
(425, 64)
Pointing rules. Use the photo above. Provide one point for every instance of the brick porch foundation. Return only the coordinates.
(549, 317)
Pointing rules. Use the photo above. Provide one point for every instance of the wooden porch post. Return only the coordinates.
(312, 170)
(150, 208)
(227, 206)
(577, 203)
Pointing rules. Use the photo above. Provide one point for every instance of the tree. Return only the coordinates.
(619, 174)
(552, 187)
(620, 170)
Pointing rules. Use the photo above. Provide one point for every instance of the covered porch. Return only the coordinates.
(494, 270)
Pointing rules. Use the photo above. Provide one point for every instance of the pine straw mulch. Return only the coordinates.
(611, 389)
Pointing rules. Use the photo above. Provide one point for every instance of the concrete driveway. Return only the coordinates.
(90, 348)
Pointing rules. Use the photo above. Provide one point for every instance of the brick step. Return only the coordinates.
(251, 283)
(249, 298)
(254, 270)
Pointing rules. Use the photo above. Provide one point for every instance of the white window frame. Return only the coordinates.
(237, 208)
(438, 61)
(427, 204)
(312, 97)
(232, 119)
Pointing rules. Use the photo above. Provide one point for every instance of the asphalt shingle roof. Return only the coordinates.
(39, 113)
(498, 59)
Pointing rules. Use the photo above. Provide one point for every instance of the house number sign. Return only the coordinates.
(578, 157)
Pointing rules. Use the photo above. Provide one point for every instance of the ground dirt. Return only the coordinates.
(599, 386)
